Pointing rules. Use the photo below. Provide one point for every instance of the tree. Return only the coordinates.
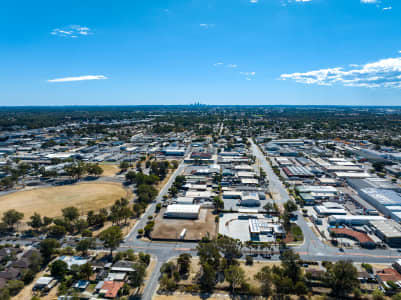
(168, 268)
(70, 213)
(47, 221)
(85, 271)
(35, 262)
(59, 269)
(36, 221)
(48, 248)
(230, 248)
(84, 245)
(57, 231)
(12, 217)
(94, 169)
(290, 206)
(284, 285)
(268, 207)
(137, 278)
(264, 277)
(4, 293)
(396, 296)
(14, 286)
(183, 262)
(81, 225)
(342, 278)
(167, 283)
(235, 275)
(290, 263)
(209, 253)
(124, 165)
(300, 288)
(378, 295)
(207, 280)
(111, 238)
(378, 166)
(130, 177)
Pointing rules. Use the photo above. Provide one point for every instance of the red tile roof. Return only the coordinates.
(359, 236)
(389, 274)
(111, 288)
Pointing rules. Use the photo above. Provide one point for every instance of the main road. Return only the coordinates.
(275, 185)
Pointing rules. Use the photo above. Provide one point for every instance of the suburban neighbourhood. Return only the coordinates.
(209, 202)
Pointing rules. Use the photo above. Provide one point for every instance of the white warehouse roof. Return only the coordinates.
(182, 208)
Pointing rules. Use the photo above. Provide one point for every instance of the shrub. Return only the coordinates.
(249, 260)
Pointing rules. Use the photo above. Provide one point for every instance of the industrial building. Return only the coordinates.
(362, 238)
(376, 183)
(389, 231)
(387, 202)
(182, 211)
(183, 200)
(329, 209)
(262, 226)
(353, 220)
(249, 199)
(298, 171)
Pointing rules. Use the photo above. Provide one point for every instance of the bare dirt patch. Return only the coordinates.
(110, 170)
(50, 201)
(196, 229)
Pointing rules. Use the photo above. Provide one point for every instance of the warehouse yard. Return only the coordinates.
(50, 201)
(170, 229)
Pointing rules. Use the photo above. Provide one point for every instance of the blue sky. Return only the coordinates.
(132, 52)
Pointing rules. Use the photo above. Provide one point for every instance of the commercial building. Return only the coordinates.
(250, 199)
(376, 183)
(386, 201)
(362, 238)
(353, 220)
(322, 210)
(261, 226)
(298, 171)
(183, 200)
(389, 231)
(182, 211)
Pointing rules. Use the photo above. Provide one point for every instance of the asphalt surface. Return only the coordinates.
(275, 185)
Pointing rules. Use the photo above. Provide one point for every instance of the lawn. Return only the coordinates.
(50, 201)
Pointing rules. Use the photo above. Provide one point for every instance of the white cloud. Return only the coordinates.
(382, 73)
(253, 1)
(71, 31)
(206, 26)
(221, 64)
(248, 75)
(78, 78)
(369, 1)
(387, 8)
(303, 0)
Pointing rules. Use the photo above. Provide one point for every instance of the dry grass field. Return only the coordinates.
(50, 201)
(196, 229)
(109, 170)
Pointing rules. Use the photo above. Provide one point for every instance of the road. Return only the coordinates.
(275, 185)
(162, 251)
